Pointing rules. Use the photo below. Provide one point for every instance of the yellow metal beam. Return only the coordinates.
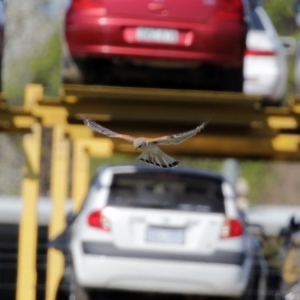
(233, 117)
(269, 146)
(59, 193)
(72, 93)
(78, 131)
(15, 120)
(287, 143)
(51, 116)
(286, 122)
(124, 106)
(33, 94)
(26, 273)
(214, 146)
(237, 122)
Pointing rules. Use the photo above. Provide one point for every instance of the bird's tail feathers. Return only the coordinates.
(159, 159)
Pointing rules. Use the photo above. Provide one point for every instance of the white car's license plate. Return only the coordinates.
(165, 235)
(159, 35)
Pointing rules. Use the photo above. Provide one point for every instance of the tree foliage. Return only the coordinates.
(282, 14)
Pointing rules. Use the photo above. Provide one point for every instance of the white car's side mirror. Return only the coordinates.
(289, 44)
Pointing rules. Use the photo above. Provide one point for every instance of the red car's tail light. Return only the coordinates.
(98, 220)
(231, 9)
(252, 52)
(232, 228)
(86, 3)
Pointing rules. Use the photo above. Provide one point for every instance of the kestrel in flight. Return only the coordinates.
(151, 153)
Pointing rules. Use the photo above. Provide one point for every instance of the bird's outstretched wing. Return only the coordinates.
(177, 138)
(98, 128)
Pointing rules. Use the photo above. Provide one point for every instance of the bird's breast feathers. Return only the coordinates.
(151, 147)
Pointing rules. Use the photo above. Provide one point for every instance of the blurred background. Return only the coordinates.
(33, 54)
(35, 51)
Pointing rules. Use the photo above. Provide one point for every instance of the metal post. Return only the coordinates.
(59, 194)
(231, 170)
(26, 274)
(83, 148)
(80, 173)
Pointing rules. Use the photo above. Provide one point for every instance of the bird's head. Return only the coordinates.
(139, 143)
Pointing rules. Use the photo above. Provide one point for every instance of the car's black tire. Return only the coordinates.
(232, 79)
(219, 78)
(93, 70)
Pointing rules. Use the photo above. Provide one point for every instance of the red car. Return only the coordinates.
(176, 43)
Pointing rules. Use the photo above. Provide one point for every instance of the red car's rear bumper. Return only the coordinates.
(217, 41)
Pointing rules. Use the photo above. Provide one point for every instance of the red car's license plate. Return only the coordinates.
(158, 35)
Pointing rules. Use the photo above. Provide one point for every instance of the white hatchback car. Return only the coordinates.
(146, 229)
(265, 62)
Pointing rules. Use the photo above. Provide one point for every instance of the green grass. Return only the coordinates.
(282, 15)
(259, 177)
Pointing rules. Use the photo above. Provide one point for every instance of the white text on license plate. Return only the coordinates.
(158, 35)
(165, 235)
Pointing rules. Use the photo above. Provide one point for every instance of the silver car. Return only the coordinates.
(146, 229)
(265, 62)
